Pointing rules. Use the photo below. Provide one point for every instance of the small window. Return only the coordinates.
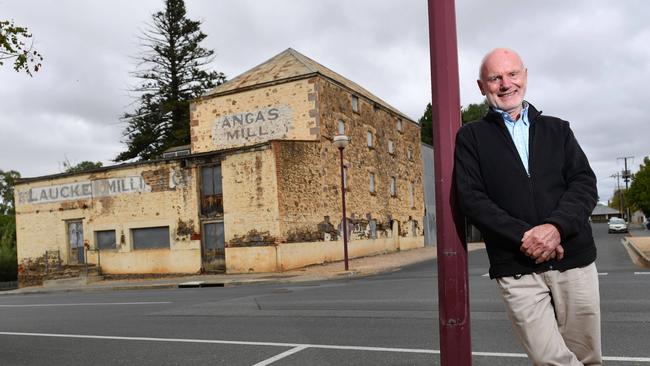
(355, 103)
(391, 147)
(399, 125)
(105, 239)
(150, 237)
(373, 229)
(370, 139)
(372, 182)
(411, 195)
(409, 153)
(393, 186)
(341, 127)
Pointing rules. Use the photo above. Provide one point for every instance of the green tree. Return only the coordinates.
(13, 46)
(7, 180)
(426, 126)
(172, 71)
(615, 202)
(471, 113)
(474, 112)
(638, 195)
(8, 261)
(83, 166)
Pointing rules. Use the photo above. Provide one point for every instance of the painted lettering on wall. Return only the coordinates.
(252, 126)
(84, 190)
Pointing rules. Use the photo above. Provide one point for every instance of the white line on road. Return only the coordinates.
(485, 275)
(280, 356)
(603, 273)
(297, 345)
(642, 273)
(85, 304)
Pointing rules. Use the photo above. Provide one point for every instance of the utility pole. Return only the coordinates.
(626, 178)
(453, 288)
(618, 190)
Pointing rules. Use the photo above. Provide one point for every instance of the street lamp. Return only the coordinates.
(340, 142)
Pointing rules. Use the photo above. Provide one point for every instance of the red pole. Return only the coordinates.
(345, 221)
(453, 295)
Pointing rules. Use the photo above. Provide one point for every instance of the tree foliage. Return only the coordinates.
(471, 113)
(172, 71)
(13, 46)
(616, 202)
(638, 195)
(7, 180)
(83, 166)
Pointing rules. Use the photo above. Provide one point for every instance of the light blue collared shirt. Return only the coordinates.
(519, 132)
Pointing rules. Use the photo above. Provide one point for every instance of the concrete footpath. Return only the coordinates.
(359, 267)
(638, 245)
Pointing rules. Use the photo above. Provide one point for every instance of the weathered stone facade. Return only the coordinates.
(262, 172)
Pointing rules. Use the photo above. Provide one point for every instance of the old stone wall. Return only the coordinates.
(404, 163)
(280, 112)
(250, 198)
(120, 199)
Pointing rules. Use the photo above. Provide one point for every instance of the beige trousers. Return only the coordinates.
(556, 315)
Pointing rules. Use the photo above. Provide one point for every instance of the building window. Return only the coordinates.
(211, 191)
(399, 125)
(391, 147)
(355, 104)
(409, 153)
(369, 138)
(411, 195)
(372, 229)
(150, 237)
(341, 127)
(105, 239)
(372, 182)
(393, 186)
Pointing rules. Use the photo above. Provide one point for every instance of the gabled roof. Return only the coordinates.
(604, 210)
(291, 65)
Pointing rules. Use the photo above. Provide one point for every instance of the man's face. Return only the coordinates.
(503, 81)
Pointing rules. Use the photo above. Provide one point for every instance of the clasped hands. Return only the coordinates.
(542, 243)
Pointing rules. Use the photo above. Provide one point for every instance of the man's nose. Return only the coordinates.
(506, 83)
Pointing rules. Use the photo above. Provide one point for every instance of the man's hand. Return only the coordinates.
(542, 243)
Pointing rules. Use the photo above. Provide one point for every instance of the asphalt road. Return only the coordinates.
(389, 319)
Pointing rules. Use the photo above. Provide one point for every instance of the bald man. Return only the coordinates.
(524, 181)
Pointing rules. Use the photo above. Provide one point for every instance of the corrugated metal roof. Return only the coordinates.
(290, 65)
(604, 210)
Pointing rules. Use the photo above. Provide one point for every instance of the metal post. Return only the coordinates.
(453, 295)
(345, 221)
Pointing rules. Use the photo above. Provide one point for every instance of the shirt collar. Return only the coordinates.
(523, 116)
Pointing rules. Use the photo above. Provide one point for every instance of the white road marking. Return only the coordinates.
(642, 273)
(85, 304)
(485, 275)
(603, 273)
(280, 356)
(295, 346)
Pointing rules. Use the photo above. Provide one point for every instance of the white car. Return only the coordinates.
(617, 225)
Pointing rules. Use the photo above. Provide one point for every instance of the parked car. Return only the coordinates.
(646, 223)
(617, 225)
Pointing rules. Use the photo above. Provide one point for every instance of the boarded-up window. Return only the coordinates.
(393, 186)
(341, 127)
(211, 191)
(355, 103)
(372, 182)
(372, 229)
(369, 138)
(391, 147)
(150, 237)
(105, 239)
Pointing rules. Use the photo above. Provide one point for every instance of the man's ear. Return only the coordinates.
(480, 86)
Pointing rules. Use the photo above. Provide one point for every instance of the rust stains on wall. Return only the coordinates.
(251, 239)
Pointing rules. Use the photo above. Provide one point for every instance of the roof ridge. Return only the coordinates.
(300, 57)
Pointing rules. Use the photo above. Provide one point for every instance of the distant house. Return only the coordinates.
(603, 213)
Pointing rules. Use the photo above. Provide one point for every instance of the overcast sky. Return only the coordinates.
(588, 62)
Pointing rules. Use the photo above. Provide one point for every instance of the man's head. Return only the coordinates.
(502, 79)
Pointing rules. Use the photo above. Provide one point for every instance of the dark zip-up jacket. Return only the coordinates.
(497, 195)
